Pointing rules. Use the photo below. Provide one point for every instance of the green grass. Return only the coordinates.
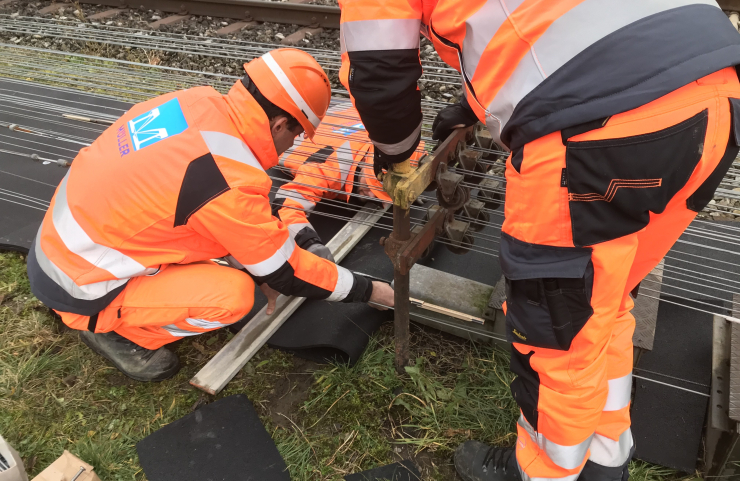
(327, 422)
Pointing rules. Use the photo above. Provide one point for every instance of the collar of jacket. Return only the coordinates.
(252, 123)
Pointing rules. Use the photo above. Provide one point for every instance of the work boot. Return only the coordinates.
(131, 359)
(476, 461)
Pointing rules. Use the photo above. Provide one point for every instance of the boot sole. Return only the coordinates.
(162, 377)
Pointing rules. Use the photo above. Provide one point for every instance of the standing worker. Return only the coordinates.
(335, 164)
(123, 252)
(622, 117)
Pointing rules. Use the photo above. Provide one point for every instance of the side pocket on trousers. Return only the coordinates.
(703, 195)
(526, 387)
(614, 184)
(548, 292)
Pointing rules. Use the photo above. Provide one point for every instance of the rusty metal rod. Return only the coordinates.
(402, 233)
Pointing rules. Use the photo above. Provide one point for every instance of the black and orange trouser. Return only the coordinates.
(590, 211)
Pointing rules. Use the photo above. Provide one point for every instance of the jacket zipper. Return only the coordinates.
(464, 75)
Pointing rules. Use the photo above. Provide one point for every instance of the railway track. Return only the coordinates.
(247, 10)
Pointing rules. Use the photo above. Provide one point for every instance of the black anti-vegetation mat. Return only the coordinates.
(222, 441)
(27, 186)
(667, 421)
(323, 331)
(403, 471)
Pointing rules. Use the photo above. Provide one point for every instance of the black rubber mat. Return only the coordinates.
(222, 441)
(403, 471)
(27, 186)
(667, 422)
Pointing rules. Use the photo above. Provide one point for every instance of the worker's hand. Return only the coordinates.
(382, 297)
(271, 295)
(322, 251)
(453, 117)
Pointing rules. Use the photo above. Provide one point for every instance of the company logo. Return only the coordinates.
(349, 130)
(519, 335)
(157, 124)
(122, 138)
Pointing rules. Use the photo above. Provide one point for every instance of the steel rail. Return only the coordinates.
(248, 10)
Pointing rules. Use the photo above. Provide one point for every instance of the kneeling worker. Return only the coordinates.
(123, 252)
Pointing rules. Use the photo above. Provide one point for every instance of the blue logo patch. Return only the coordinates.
(157, 124)
(349, 130)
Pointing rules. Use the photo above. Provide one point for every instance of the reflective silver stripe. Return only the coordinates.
(230, 147)
(607, 452)
(345, 159)
(524, 79)
(480, 28)
(294, 229)
(78, 242)
(388, 34)
(402, 146)
(274, 262)
(620, 390)
(566, 37)
(567, 457)
(308, 205)
(345, 281)
(203, 324)
(592, 20)
(179, 332)
(291, 90)
(87, 292)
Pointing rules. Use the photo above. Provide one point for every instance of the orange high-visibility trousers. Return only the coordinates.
(590, 211)
(179, 301)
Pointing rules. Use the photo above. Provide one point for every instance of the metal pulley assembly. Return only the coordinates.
(457, 235)
(450, 192)
(474, 213)
(488, 193)
(469, 160)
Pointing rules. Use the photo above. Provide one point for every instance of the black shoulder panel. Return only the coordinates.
(320, 156)
(202, 183)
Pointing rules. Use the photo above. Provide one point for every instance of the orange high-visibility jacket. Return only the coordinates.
(178, 179)
(329, 167)
(529, 67)
(325, 168)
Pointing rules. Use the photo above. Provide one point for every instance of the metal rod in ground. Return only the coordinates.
(401, 232)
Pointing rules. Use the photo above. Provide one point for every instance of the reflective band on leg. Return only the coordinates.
(203, 324)
(610, 453)
(620, 390)
(274, 262)
(179, 332)
(277, 71)
(233, 148)
(345, 281)
(567, 457)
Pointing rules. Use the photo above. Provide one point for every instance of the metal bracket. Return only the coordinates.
(405, 185)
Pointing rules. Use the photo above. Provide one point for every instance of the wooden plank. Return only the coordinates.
(735, 362)
(233, 356)
(646, 309)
